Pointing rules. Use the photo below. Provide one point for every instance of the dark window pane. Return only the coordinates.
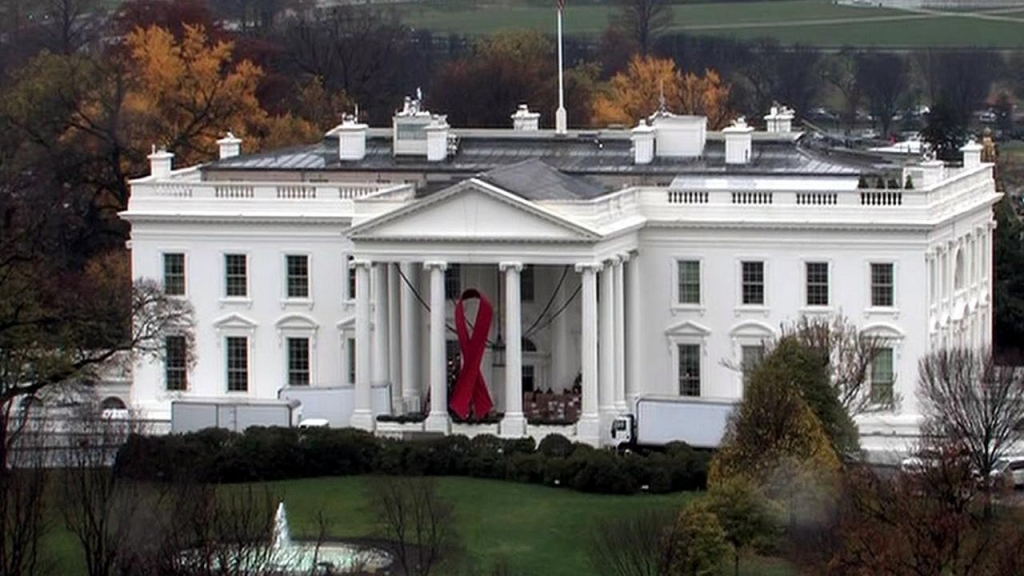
(174, 274)
(817, 283)
(526, 284)
(689, 370)
(689, 281)
(753, 283)
(238, 363)
(298, 276)
(298, 361)
(452, 282)
(235, 274)
(176, 363)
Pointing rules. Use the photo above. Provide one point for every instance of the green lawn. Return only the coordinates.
(532, 529)
(809, 21)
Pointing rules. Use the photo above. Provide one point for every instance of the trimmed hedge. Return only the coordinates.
(259, 454)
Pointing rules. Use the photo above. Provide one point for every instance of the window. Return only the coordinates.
(352, 361)
(174, 274)
(817, 283)
(529, 382)
(235, 276)
(689, 369)
(238, 363)
(298, 361)
(350, 273)
(175, 363)
(753, 283)
(298, 276)
(882, 377)
(526, 284)
(750, 356)
(689, 281)
(452, 282)
(881, 285)
(958, 271)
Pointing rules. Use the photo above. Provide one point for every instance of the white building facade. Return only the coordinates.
(651, 261)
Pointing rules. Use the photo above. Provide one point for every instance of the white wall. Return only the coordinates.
(204, 246)
(784, 252)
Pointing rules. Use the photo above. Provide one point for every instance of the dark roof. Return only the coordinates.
(579, 153)
(536, 180)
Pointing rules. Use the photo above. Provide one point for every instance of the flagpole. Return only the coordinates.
(560, 118)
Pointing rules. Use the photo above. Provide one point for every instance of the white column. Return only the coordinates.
(563, 370)
(620, 334)
(410, 339)
(606, 347)
(588, 429)
(437, 419)
(362, 415)
(633, 364)
(394, 338)
(514, 422)
(380, 325)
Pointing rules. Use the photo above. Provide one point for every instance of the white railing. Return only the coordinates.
(285, 191)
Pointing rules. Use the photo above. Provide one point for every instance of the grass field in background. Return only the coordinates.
(533, 530)
(817, 22)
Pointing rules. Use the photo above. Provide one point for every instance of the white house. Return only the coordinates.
(620, 263)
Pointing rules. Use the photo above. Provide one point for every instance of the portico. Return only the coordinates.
(431, 249)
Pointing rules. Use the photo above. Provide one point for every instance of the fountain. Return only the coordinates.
(289, 557)
(285, 556)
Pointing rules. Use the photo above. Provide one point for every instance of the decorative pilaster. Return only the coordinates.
(362, 415)
(588, 429)
(514, 422)
(437, 419)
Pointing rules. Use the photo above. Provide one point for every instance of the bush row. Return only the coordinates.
(260, 454)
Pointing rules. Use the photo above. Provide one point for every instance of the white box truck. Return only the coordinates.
(658, 420)
(233, 414)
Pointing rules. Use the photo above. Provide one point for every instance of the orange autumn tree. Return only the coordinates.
(186, 95)
(636, 94)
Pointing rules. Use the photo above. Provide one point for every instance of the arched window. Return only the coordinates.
(113, 403)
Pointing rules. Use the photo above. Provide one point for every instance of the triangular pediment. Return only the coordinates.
(688, 328)
(476, 211)
(235, 321)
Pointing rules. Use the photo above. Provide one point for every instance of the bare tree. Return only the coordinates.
(642, 21)
(633, 545)
(973, 402)
(69, 22)
(98, 506)
(23, 498)
(417, 520)
(840, 70)
(850, 356)
(884, 78)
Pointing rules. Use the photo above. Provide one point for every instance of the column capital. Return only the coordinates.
(439, 264)
(624, 257)
(506, 266)
(359, 263)
(589, 266)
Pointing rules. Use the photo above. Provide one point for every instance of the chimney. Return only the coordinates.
(972, 154)
(779, 119)
(932, 172)
(643, 143)
(230, 146)
(524, 120)
(351, 139)
(738, 139)
(160, 163)
(437, 139)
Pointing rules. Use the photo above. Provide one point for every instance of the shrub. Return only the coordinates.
(603, 473)
(555, 446)
(698, 542)
(526, 468)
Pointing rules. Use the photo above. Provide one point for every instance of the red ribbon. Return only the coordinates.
(470, 388)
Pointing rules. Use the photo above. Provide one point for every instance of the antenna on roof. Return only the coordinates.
(357, 112)
(561, 122)
(662, 106)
